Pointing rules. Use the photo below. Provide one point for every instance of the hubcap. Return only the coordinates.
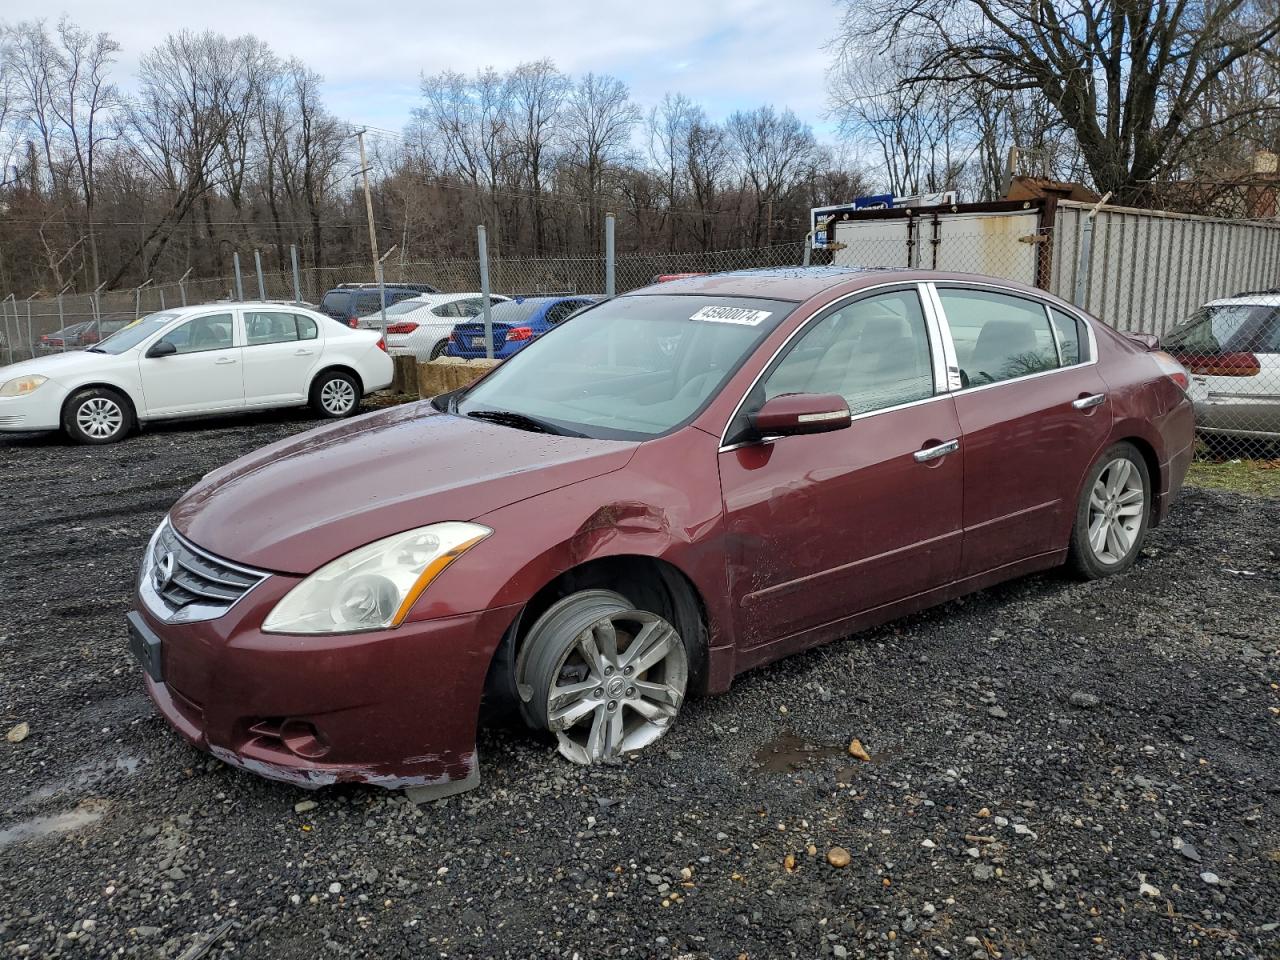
(337, 396)
(1116, 505)
(618, 688)
(100, 417)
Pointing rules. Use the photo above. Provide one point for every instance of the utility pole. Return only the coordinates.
(368, 205)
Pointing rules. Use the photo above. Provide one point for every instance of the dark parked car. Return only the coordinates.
(673, 487)
(348, 302)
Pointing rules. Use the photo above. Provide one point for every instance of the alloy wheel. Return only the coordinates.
(337, 396)
(100, 418)
(618, 687)
(1116, 505)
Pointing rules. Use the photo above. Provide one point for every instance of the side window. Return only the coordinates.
(997, 336)
(873, 352)
(307, 329)
(559, 312)
(1073, 339)
(203, 333)
(262, 327)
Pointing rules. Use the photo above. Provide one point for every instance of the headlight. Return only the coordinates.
(372, 588)
(21, 386)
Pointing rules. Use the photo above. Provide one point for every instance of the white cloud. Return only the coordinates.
(725, 54)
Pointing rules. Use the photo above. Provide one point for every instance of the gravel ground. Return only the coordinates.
(1056, 770)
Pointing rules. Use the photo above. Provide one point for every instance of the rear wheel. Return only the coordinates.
(1112, 515)
(439, 349)
(604, 677)
(335, 395)
(97, 415)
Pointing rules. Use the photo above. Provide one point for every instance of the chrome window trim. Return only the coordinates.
(1022, 295)
(804, 326)
(195, 612)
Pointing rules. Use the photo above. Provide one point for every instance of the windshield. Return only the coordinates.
(135, 333)
(631, 368)
(1221, 329)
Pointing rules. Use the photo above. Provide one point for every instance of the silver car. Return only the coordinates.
(421, 326)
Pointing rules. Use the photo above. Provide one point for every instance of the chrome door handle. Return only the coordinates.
(933, 453)
(225, 360)
(1087, 403)
(302, 353)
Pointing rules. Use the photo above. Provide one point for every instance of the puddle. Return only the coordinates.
(787, 753)
(84, 776)
(38, 827)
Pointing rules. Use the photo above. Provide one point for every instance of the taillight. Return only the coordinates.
(1171, 368)
(404, 327)
(520, 333)
(1238, 364)
(353, 322)
(382, 344)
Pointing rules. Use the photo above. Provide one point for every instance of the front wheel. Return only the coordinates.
(604, 677)
(96, 415)
(335, 395)
(1113, 514)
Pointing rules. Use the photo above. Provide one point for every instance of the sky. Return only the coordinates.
(724, 54)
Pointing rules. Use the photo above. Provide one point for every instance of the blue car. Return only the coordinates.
(516, 323)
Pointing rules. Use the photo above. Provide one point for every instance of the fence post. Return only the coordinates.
(1084, 259)
(31, 340)
(62, 323)
(182, 285)
(610, 257)
(137, 298)
(262, 287)
(235, 259)
(297, 279)
(808, 248)
(96, 302)
(160, 290)
(4, 311)
(382, 289)
(482, 245)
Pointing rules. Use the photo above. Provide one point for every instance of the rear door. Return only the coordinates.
(281, 350)
(1034, 414)
(205, 375)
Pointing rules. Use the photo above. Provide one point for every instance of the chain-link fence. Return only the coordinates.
(1204, 287)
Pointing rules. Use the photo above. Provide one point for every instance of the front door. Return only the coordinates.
(281, 349)
(825, 526)
(203, 376)
(1034, 414)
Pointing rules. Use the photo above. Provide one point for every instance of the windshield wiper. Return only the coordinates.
(521, 421)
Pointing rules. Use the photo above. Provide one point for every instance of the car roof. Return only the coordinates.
(801, 283)
(1247, 300)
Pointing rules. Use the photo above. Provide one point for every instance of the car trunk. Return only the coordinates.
(469, 337)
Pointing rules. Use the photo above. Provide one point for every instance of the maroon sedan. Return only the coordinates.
(676, 486)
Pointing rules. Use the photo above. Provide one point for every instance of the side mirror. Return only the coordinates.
(794, 413)
(162, 348)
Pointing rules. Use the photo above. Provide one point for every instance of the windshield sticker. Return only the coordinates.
(741, 315)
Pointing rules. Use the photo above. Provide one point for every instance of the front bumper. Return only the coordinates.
(39, 410)
(395, 708)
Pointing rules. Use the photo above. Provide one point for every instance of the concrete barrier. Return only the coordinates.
(450, 373)
(404, 379)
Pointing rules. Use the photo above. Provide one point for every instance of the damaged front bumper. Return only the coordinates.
(395, 708)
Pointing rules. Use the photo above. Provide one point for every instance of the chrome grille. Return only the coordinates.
(186, 580)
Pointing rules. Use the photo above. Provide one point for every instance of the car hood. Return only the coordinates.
(299, 503)
(56, 366)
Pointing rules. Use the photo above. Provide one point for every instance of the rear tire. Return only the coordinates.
(97, 415)
(1113, 514)
(606, 678)
(335, 395)
(438, 350)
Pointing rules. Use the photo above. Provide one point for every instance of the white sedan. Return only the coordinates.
(215, 358)
(421, 326)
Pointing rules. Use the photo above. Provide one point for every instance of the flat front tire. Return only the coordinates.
(1113, 514)
(606, 678)
(97, 415)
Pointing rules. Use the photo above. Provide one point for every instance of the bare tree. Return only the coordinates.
(598, 120)
(1126, 76)
(773, 148)
(535, 93)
